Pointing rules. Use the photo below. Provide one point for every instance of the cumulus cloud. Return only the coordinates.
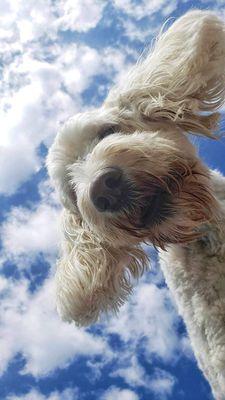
(160, 382)
(30, 326)
(27, 232)
(43, 77)
(150, 318)
(37, 94)
(122, 394)
(145, 8)
(27, 21)
(24, 21)
(25, 125)
(73, 15)
(149, 321)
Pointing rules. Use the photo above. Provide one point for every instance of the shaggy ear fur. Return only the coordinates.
(183, 76)
(93, 278)
(60, 156)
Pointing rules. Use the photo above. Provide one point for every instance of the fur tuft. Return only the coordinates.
(182, 78)
(92, 277)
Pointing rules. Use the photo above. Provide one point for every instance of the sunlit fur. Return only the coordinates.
(173, 91)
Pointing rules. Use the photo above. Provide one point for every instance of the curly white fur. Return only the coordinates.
(175, 90)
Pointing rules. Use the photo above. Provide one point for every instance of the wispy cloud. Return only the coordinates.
(67, 394)
(162, 384)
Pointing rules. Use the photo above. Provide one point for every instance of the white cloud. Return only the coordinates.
(16, 166)
(25, 232)
(145, 8)
(67, 394)
(26, 20)
(132, 372)
(149, 321)
(78, 65)
(29, 325)
(28, 232)
(32, 20)
(149, 317)
(43, 77)
(121, 394)
(135, 31)
(77, 15)
(162, 384)
(29, 115)
(159, 382)
(37, 95)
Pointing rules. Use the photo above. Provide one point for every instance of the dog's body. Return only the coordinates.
(127, 173)
(195, 274)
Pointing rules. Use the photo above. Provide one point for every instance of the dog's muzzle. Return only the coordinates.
(108, 191)
(111, 192)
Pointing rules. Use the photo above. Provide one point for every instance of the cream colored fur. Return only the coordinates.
(195, 274)
(175, 90)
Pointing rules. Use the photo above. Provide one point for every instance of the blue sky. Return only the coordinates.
(57, 58)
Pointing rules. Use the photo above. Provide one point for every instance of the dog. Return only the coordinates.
(128, 174)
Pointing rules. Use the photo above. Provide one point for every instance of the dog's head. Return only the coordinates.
(120, 187)
(127, 173)
(131, 183)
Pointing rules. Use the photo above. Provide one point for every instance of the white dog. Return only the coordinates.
(127, 173)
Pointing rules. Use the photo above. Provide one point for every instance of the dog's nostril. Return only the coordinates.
(102, 203)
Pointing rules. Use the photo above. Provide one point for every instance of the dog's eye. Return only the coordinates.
(107, 130)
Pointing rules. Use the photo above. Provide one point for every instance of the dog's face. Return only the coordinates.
(132, 185)
(120, 185)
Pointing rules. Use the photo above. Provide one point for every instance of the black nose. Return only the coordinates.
(106, 191)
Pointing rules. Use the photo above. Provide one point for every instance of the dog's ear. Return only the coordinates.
(93, 277)
(183, 79)
(60, 156)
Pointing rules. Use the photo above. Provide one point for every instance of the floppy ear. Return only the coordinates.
(60, 156)
(183, 77)
(92, 277)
